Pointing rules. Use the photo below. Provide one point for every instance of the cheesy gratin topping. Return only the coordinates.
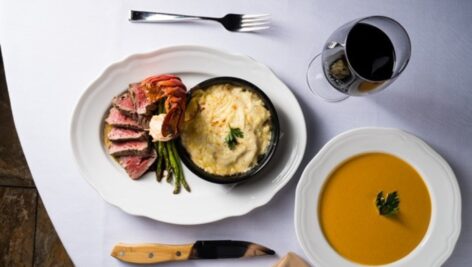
(208, 119)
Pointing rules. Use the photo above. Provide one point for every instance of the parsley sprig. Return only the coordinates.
(231, 139)
(388, 206)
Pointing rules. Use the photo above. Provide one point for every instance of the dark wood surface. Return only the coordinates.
(27, 236)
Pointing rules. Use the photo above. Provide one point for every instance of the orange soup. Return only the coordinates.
(350, 219)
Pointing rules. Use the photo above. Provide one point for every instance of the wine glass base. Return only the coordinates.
(318, 84)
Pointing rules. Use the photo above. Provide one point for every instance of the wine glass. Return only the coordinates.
(361, 57)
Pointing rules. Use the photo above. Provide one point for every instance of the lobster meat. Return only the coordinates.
(173, 92)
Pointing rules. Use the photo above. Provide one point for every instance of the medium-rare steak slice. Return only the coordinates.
(136, 166)
(129, 148)
(143, 105)
(118, 119)
(123, 134)
(125, 104)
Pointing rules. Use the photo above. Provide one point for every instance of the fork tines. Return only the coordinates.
(255, 22)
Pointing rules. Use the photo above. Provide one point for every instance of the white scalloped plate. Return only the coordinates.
(207, 202)
(443, 232)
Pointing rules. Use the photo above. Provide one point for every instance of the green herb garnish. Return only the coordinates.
(387, 206)
(231, 139)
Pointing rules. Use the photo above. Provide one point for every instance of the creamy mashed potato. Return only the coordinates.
(208, 118)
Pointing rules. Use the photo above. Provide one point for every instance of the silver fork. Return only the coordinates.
(231, 22)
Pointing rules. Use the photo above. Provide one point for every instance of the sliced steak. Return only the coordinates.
(118, 119)
(125, 104)
(122, 134)
(136, 166)
(143, 105)
(129, 148)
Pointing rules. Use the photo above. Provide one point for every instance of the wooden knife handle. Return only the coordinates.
(148, 253)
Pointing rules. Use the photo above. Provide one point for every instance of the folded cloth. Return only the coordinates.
(291, 260)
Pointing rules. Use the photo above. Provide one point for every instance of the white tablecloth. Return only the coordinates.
(53, 49)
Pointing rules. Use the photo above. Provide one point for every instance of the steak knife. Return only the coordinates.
(148, 253)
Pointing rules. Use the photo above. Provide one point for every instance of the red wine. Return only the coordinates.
(370, 52)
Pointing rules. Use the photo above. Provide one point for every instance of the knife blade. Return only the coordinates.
(148, 253)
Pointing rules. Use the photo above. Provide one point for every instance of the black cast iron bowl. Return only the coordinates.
(262, 161)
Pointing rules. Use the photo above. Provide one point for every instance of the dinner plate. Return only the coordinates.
(443, 232)
(207, 202)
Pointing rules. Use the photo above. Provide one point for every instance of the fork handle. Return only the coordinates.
(146, 16)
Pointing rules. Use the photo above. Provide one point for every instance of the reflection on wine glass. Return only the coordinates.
(361, 57)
